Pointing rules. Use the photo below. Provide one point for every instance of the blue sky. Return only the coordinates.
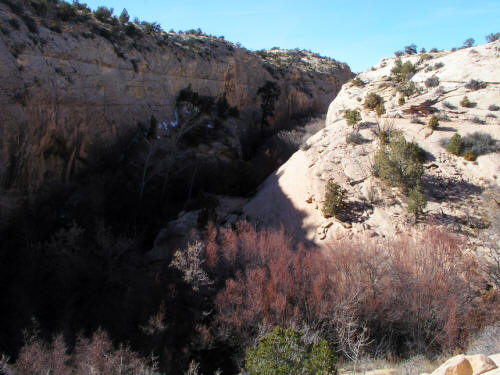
(358, 32)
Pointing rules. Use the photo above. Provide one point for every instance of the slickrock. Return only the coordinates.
(480, 363)
(458, 365)
(452, 184)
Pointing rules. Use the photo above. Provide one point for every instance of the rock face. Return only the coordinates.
(66, 84)
(458, 365)
(480, 363)
(467, 365)
(293, 196)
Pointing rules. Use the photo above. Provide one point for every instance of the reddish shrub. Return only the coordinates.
(416, 294)
(96, 355)
(38, 358)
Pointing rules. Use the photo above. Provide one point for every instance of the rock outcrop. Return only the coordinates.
(458, 365)
(67, 83)
(294, 195)
(467, 365)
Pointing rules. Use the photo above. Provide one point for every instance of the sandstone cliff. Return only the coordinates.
(67, 83)
(455, 187)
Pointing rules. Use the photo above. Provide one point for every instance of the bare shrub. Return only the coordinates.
(94, 356)
(491, 236)
(384, 130)
(4, 365)
(443, 117)
(39, 358)
(477, 120)
(416, 365)
(432, 82)
(190, 263)
(438, 65)
(487, 341)
(97, 355)
(193, 369)
(348, 295)
(297, 137)
(476, 85)
(480, 143)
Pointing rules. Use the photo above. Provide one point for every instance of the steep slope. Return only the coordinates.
(69, 78)
(294, 195)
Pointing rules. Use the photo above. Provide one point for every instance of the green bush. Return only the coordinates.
(399, 163)
(401, 100)
(372, 100)
(380, 109)
(284, 352)
(65, 11)
(416, 201)
(124, 16)
(469, 43)
(455, 144)
(470, 156)
(411, 49)
(352, 117)
(131, 30)
(433, 122)
(424, 57)
(465, 102)
(403, 72)
(358, 82)
(492, 37)
(152, 27)
(103, 13)
(335, 199)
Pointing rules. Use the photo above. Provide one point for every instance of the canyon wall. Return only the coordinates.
(66, 84)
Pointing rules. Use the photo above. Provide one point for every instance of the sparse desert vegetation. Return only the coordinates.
(474, 144)
(335, 199)
(174, 203)
(352, 117)
(433, 122)
(465, 102)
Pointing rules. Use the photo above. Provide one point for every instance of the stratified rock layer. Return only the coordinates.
(63, 90)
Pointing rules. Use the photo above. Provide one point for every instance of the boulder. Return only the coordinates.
(458, 365)
(480, 363)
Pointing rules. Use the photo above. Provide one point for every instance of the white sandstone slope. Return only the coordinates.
(293, 195)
